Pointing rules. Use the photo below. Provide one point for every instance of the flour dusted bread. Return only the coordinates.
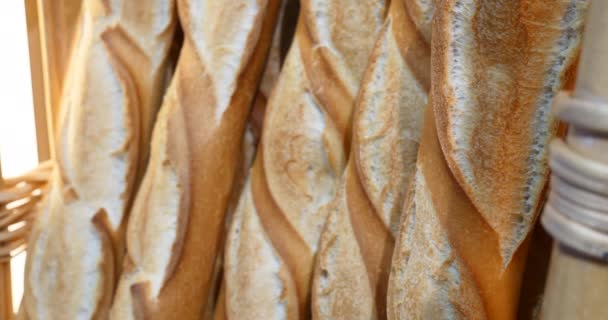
(429, 278)
(251, 141)
(112, 92)
(492, 100)
(276, 228)
(496, 67)
(352, 267)
(178, 215)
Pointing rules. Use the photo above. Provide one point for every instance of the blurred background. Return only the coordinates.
(18, 146)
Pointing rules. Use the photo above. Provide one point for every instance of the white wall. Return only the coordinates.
(17, 129)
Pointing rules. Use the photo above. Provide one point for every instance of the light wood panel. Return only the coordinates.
(576, 287)
(6, 301)
(33, 33)
(51, 39)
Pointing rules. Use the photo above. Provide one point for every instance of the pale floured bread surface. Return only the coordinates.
(240, 264)
(499, 66)
(196, 150)
(112, 92)
(352, 267)
(333, 25)
(253, 130)
(220, 34)
(151, 238)
(253, 133)
(341, 288)
(259, 276)
(303, 163)
(496, 66)
(428, 280)
(446, 263)
(448, 239)
(389, 116)
(302, 155)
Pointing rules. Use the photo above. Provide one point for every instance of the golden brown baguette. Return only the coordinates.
(496, 67)
(178, 215)
(251, 140)
(112, 92)
(356, 246)
(493, 97)
(276, 228)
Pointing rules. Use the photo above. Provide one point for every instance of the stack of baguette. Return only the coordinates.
(112, 91)
(356, 246)
(274, 236)
(400, 167)
(175, 226)
(481, 169)
(115, 84)
(281, 37)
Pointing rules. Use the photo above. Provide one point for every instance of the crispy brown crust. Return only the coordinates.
(370, 201)
(203, 148)
(253, 134)
(481, 257)
(493, 115)
(114, 80)
(421, 12)
(109, 263)
(318, 65)
(322, 68)
(474, 244)
(304, 139)
(286, 240)
(374, 239)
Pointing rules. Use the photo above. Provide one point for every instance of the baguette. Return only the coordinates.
(178, 215)
(275, 232)
(113, 87)
(356, 245)
(482, 164)
(251, 140)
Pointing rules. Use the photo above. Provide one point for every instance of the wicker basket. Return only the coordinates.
(50, 27)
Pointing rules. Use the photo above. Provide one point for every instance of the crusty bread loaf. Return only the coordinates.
(492, 100)
(276, 228)
(113, 87)
(353, 263)
(175, 226)
(496, 66)
(253, 132)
